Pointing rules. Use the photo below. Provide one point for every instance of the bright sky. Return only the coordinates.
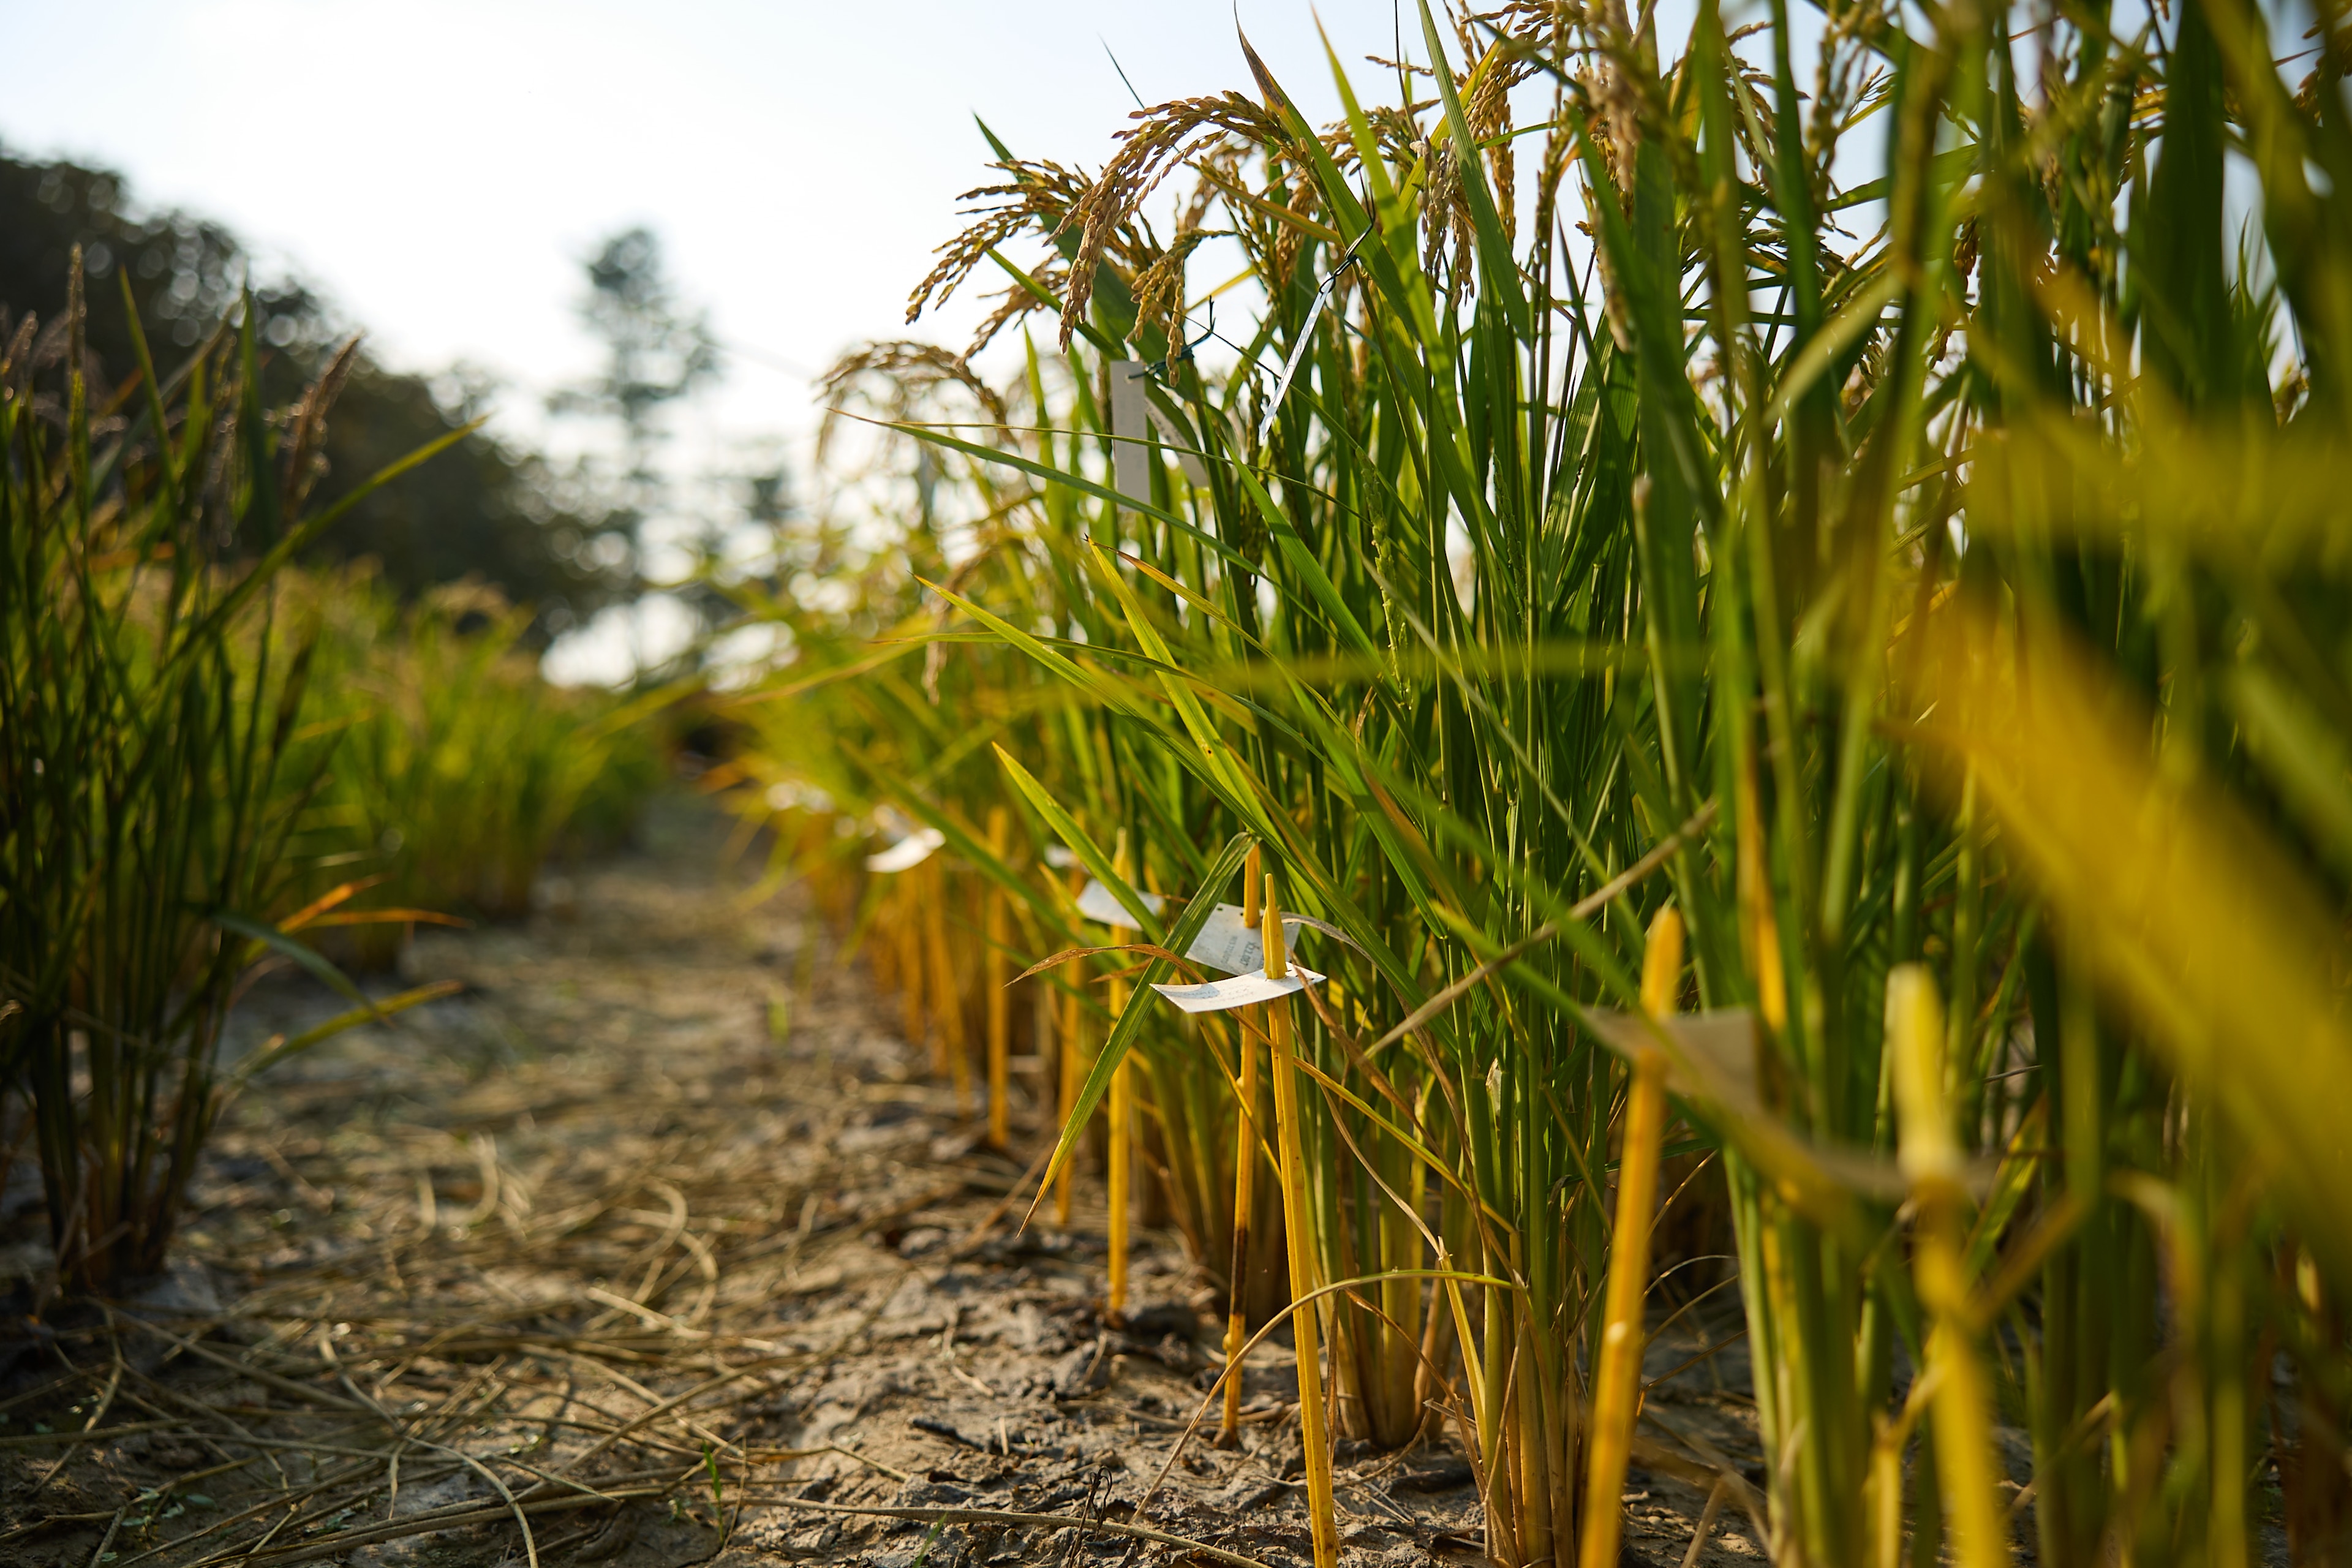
(441, 167)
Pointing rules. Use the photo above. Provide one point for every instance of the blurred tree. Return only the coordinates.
(544, 537)
(656, 351)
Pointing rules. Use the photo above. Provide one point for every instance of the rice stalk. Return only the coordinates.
(1880, 502)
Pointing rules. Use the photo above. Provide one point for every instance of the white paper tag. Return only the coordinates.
(789, 793)
(1061, 857)
(1240, 991)
(1226, 943)
(908, 852)
(1099, 904)
(1229, 943)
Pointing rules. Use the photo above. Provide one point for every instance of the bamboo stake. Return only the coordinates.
(1229, 1429)
(1617, 1393)
(1758, 932)
(1303, 1324)
(1931, 1158)
(1072, 1055)
(907, 966)
(1000, 1000)
(1122, 1116)
(947, 1049)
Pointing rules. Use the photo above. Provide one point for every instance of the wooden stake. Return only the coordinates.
(1303, 1327)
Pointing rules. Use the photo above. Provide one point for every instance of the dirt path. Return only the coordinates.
(654, 1237)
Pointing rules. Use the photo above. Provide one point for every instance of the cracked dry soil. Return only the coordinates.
(651, 1239)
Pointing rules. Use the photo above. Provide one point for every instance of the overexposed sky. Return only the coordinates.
(440, 169)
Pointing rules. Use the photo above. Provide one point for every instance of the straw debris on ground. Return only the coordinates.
(652, 1247)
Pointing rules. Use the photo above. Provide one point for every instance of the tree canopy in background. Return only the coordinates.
(657, 350)
(547, 537)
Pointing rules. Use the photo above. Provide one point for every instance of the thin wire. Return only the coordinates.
(1157, 369)
(1305, 336)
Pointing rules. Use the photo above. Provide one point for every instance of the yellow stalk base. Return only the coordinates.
(1931, 1158)
(1122, 1119)
(1122, 1114)
(999, 1001)
(1072, 1052)
(947, 1008)
(909, 969)
(1303, 1327)
(1229, 1429)
(1617, 1396)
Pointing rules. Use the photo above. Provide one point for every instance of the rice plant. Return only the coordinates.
(455, 771)
(154, 766)
(1894, 514)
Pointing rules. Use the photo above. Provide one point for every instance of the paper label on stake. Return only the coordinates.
(1240, 991)
(1099, 904)
(908, 852)
(1229, 942)
(1060, 857)
(1226, 942)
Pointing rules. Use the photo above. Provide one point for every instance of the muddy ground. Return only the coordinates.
(654, 1248)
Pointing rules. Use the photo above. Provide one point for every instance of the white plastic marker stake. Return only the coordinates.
(1131, 428)
(1304, 1324)
(908, 852)
(1133, 422)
